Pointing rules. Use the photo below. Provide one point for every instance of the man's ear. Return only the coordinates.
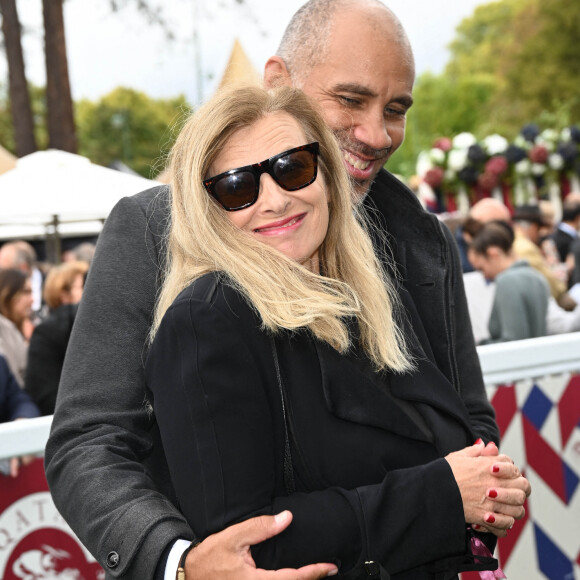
(276, 74)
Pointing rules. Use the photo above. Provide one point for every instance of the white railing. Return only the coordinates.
(501, 363)
(527, 359)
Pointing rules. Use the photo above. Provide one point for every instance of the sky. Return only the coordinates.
(107, 50)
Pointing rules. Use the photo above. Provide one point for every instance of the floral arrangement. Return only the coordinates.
(457, 172)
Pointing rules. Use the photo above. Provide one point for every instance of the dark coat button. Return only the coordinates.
(372, 569)
(113, 560)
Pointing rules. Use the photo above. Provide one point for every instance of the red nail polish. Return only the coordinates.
(480, 440)
(490, 519)
(496, 468)
(492, 493)
(476, 527)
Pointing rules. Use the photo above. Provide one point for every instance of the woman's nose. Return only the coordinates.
(272, 197)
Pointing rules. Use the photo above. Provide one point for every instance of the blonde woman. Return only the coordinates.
(285, 377)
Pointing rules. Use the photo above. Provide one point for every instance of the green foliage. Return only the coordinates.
(38, 103)
(513, 62)
(546, 68)
(443, 106)
(129, 126)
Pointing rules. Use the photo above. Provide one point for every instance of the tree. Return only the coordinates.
(22, 120)
(127, 125)
(444, 106)
(544, 71)
(59, 106)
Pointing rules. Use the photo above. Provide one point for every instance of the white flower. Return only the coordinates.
(538, 169)
(464, 140)
(556, 161)
(457, 159)
(437, 156)
(549, 135)
(566, 134)
(424, 163)
(495, 144)
(523, 167)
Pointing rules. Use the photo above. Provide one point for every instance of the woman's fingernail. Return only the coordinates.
(479, 441)
(282, 516)
(492, 493)
(333, 572)
(496, 468)
(476, 527)
(490, 519)
(491, 443)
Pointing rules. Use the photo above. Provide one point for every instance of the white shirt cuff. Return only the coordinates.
(173, 559)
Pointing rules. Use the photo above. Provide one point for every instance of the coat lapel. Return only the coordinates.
(362, 397)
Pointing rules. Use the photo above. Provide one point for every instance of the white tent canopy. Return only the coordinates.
(53, 192)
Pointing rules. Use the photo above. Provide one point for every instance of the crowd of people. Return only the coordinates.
(530, 264)
(38, 303)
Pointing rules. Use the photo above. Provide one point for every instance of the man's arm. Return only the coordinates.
(102, 463)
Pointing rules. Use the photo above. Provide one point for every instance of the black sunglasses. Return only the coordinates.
(291, 170)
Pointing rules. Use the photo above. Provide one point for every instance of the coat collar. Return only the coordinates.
(353, 392)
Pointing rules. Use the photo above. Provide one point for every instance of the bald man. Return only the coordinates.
(104, 457)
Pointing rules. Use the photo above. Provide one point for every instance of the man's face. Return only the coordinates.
(364, 86)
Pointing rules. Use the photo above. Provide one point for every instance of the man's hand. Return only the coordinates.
(227, 556)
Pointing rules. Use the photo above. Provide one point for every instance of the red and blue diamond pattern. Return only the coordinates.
(539, 422)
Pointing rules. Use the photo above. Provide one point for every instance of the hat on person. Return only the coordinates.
(529, 213)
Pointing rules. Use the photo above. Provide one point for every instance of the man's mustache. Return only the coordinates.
(346, 142)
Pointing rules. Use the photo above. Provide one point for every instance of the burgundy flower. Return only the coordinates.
(487, 180)
(443, 143)
(434, 177)
(539, 154)
(497, 165)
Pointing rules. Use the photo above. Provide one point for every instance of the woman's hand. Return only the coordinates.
(492, 488)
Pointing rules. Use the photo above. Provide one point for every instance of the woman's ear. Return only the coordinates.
(493, 252)
(276, 74)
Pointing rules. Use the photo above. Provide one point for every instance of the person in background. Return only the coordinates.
(15, 326)
(521, 297)
(83, 252)
(20, 255)
(566, 231)
(527, 223)
(15, 404)
(63, 290)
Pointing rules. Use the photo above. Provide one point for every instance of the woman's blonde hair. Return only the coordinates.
(60, 279)
(285, 294)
